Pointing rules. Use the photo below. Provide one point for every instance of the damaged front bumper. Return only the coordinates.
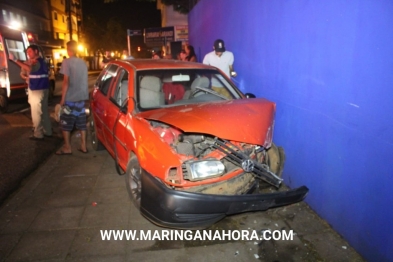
(185, 210)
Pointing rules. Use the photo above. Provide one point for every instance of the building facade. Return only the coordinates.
(49, 23)
(178, 23)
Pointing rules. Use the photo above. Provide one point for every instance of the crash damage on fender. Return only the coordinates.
(235, 153)
(190, 161)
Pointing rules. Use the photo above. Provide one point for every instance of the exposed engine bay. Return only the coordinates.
(253, 161)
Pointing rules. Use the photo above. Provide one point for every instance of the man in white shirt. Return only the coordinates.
(220, 58)
(223, 60)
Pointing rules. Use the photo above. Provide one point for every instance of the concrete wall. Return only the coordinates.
(329, 67)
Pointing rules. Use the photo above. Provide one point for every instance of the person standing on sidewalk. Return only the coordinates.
(38, 92)
(223, 60)
(191, 56)
(24, 74)
(74, 94)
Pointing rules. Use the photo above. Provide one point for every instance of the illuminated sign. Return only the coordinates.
(133, 32)
(155, 37)
(181, 33)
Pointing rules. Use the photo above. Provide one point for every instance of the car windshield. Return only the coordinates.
(170, 87)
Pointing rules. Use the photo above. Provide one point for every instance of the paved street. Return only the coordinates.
(19, 156)
(58, 212)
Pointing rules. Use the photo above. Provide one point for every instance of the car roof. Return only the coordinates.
(144, 64)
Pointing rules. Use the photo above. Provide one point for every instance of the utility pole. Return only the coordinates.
(129, 45)
(129, 34)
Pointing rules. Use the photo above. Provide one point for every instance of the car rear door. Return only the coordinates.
(116, 118)
(100, 102)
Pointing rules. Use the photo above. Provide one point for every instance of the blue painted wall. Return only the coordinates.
(329, 67)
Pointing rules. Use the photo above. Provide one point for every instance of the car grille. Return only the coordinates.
(236, 157)
(241, 158)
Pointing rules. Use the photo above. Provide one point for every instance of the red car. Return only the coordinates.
(194, 148)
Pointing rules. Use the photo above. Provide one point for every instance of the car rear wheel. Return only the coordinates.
(96, 144)
(133, 181)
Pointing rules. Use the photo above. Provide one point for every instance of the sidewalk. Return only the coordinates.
(58, 213)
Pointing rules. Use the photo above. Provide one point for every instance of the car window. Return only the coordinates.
(160, 88)
(16, 48)
(120, 91)
(105, 79)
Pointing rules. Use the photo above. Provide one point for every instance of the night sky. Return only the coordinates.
(132, 14)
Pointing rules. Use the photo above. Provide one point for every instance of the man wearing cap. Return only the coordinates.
(223, 60)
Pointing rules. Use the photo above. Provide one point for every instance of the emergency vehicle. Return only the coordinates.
(12, 86)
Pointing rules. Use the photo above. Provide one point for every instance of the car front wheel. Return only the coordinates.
(275, 159)
(133, 181)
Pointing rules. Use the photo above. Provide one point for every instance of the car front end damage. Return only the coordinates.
(217, 177)
(167, 207)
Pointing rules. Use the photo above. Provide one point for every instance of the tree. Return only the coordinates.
(105, 23)
(115, 36)
(181, 6)
(92, 29)
(112, 36)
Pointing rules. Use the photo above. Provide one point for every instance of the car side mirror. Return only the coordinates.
(126, 104)
(250, 95)
(123, 109)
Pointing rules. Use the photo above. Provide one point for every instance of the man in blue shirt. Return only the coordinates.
(38, 92)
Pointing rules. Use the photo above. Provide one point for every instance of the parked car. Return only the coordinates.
(193, 148)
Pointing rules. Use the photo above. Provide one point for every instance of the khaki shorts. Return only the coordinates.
(222, 91)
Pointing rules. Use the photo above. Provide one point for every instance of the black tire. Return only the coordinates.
(133, 181)
(275, 159)
(95, 142)
(3, 100)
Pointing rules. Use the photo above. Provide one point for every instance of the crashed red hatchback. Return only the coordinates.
(194, 148)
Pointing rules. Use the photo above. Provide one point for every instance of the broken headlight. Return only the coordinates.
(198, 170)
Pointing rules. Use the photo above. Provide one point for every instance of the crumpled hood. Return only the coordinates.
(244, 120)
